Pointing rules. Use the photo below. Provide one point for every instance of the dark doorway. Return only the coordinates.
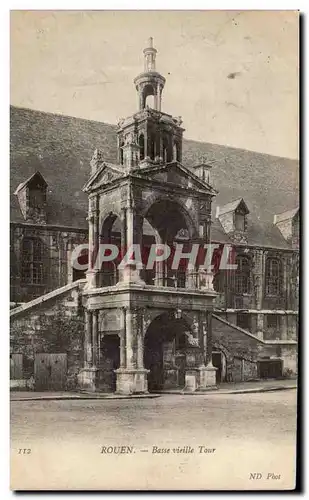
(217, 362)
(165, 353)
(109, 362)
(154, 362)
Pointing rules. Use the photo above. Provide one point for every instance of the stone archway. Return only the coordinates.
(165, 352)
(171, 224)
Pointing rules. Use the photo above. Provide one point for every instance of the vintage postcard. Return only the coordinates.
(154, 239)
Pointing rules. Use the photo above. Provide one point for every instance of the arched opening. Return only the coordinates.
(171, 226)
(150, 102)
(110, 234)
(165, 349)
(141, 143)
(148, 97)
(121, 153)
(219, 361)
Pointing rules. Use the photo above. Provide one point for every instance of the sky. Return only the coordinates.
(231, 75)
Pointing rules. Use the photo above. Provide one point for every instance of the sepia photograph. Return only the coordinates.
(154, 250)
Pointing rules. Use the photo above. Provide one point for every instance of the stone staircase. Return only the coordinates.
(68, 295)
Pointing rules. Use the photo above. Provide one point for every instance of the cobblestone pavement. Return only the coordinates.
(247, 433)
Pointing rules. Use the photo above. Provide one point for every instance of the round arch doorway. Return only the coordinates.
(165, 352)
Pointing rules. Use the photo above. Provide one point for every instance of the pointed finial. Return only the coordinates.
(150, 56)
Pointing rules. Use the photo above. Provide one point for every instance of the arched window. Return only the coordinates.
(273, 274)
(141, 143)
(32, 261)
(243, 275)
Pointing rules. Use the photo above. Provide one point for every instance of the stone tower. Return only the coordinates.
(147, 328)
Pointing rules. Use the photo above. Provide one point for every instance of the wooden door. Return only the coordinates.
(50, 371)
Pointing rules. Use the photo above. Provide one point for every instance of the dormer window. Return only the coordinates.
(233, 219)
(31, 196)
(239, 221)
(288, 225)
(37, 198)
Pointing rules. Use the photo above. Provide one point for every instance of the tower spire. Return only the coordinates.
(150, 82)
(150, 56)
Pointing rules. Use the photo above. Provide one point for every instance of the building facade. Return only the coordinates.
(162, 328)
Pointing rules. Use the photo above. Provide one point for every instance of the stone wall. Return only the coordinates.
(55, 325)
(243, 350)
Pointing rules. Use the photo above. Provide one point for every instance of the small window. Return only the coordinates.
(36, 198)
(243, 321)
(273, 321)
(239, 222)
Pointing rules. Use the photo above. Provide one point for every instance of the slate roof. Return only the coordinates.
(61, 147)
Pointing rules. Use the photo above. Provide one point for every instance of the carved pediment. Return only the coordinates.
(104, 175)
(178, 175)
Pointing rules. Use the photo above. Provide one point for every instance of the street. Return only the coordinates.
(213, 441)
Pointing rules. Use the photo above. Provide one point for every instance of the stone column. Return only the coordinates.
(159, 267)
(159, 277)
(209, 339)
(130, 333)
(140, 340)
(88, 375)
(88, 339)
(208, 371)
(191, 277)
(122, 350)
(132, 378)
(95, 338)
(93, 242)
(123, 241)
(192, 365)
(134, 230)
